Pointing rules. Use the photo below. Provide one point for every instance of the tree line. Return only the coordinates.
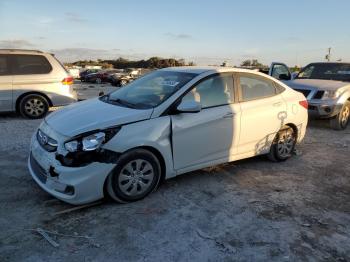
(122, 63)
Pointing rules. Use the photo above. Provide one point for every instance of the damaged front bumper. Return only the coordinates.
(75, 185)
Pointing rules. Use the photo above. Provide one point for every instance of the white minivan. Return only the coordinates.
(31, 81)
(164, 124)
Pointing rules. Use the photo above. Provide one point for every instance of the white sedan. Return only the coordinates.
(164, 124)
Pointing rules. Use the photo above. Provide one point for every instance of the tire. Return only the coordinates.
(340, 121)
(98, 80)
(33, 106)
(283, 145)
(136, 175)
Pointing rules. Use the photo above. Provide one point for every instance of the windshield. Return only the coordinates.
(326, 71)
(150, 90)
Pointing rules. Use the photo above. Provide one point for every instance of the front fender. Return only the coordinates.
(153, 133)
(343, 97)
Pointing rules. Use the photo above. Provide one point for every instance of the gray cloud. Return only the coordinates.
(16, 43)
(179, 36)
(74, 54)
(75, 18)
(77, 53)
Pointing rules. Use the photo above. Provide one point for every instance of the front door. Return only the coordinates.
(280, 71)
(5, 85)
(211, 134)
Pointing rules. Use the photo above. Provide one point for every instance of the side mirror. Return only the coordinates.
(284, 77)
(189, 106)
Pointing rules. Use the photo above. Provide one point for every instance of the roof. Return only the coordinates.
(202, 69)
(19, 51)
(330, 63)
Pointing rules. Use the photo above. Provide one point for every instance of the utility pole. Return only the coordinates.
(328, 56)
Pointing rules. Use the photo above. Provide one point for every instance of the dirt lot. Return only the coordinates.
(251, 210)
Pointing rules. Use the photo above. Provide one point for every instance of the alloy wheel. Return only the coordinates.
(34, 107)
(136, 177)
(345, 116)
(286, 142)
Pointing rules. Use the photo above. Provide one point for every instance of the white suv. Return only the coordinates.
(31, 81)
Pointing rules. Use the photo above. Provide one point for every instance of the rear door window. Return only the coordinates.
(4, 67)
(31, 64)
(253, 87)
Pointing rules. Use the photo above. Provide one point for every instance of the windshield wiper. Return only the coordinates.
(122, 102)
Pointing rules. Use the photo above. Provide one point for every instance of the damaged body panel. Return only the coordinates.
(76, 185)
(153, 134)
(91, 115)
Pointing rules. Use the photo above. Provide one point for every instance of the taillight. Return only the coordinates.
(304, 104)
(68, 80)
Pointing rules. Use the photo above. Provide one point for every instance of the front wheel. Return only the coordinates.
(283, 145)
(33, 106)
(340, 121)
(98, 80)
(136, 175)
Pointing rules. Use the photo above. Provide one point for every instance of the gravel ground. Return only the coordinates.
(250, 210)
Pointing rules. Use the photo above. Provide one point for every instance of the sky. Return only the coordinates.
(206, 32)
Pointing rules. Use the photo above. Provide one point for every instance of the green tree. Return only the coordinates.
(253, 63)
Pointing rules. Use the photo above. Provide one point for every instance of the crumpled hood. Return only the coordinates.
(92, 114)
(316, 84)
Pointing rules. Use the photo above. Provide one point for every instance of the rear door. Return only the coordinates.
(280, 71)
(5, 84)
(211, 134)
(263, 111)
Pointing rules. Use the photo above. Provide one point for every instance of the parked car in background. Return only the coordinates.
(277, 70)
(164, 124)
(74, 72)
(125, 77)
(86, 72)
(327, 88)
(31, 81)
(101, 76)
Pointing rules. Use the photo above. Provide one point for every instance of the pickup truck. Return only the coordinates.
(326, 85)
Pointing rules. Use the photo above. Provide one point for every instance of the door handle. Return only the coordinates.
(277, 104)
(228, 115)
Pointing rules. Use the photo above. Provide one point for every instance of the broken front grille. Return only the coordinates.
(318, 95)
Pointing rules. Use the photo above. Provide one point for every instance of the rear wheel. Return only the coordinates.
(33, 106)
(283, 145)
(340, 121)
(136, 175)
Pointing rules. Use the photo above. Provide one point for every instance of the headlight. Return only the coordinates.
(91, 142)
(72, 146)
(329, 94)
